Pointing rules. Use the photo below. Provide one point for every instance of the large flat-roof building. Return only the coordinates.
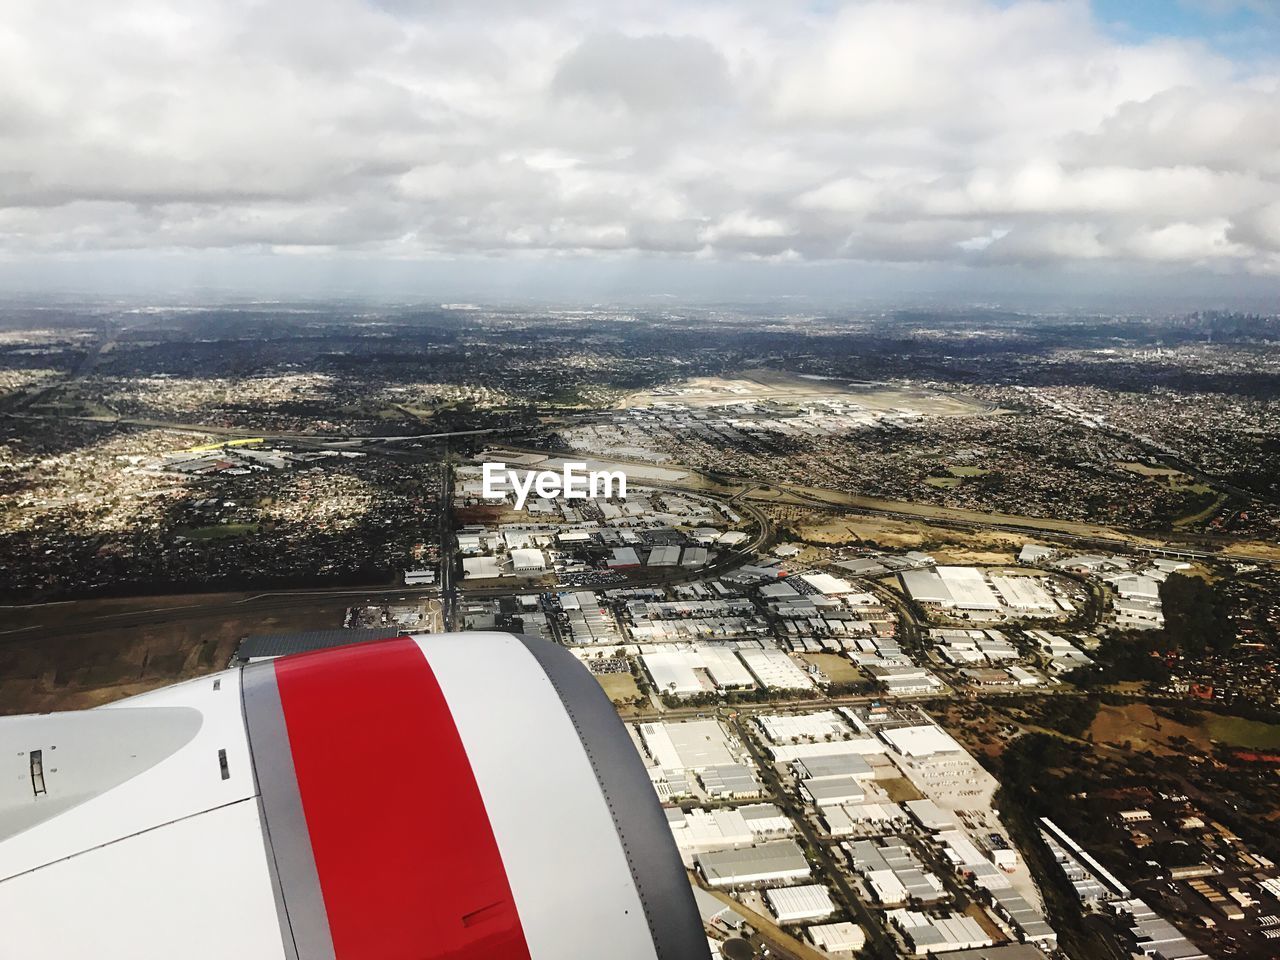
(775, 670)
(671, 672)
(835, 765)
(777, 861)
(624, 557)
(939, 935)
(481, 568)
(766, 821)
(691, 745)
(702, 830)
(929, 815)
(1024, 594)
(664, 556)
(961, 588)
(923, 740)
(843, 937)
(724, 667)
(731, 781)
(792, 904)
(792, 728)
(832, 791)
(528, 561)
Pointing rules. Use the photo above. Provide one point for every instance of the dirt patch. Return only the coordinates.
(986, 923)
(15, 616)
(1144, 729)
(964, 557)
(1137, 725)
(620, 687)
(900, 789)
(96, 666)
(946, 543)
(1254, 548)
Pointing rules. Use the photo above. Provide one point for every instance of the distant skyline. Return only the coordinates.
(1035, 152)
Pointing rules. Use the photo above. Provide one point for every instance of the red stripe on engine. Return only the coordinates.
(407, 860)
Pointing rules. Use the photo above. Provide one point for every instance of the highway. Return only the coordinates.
(448, 550)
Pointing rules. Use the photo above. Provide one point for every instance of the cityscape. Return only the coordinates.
(950, 633)
(640, 480)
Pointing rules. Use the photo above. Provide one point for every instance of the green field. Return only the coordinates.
(1238, 732)
(1147, 470)
(955, 475)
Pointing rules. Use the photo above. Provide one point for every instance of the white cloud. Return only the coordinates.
(972, 131)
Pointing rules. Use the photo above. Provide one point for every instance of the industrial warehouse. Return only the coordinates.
(973, 593)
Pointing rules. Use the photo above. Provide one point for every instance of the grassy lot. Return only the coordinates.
(957, 474)
(618, 686)
(1179, 481)
(1238, 732)
(1146, 470)
(837, 669)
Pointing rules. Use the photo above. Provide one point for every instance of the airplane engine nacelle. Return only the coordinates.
(444, 796)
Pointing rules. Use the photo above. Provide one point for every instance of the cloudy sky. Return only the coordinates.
(690, 145)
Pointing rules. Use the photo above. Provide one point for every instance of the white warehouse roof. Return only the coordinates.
(962, 587)
(921, 741)
(789, 728)
(809, 902)
(843, 937)
(528, 559)
(724, 667)
(692, 745)
(672, 672)
(826, 584)
(482, 568)
(775, 670)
